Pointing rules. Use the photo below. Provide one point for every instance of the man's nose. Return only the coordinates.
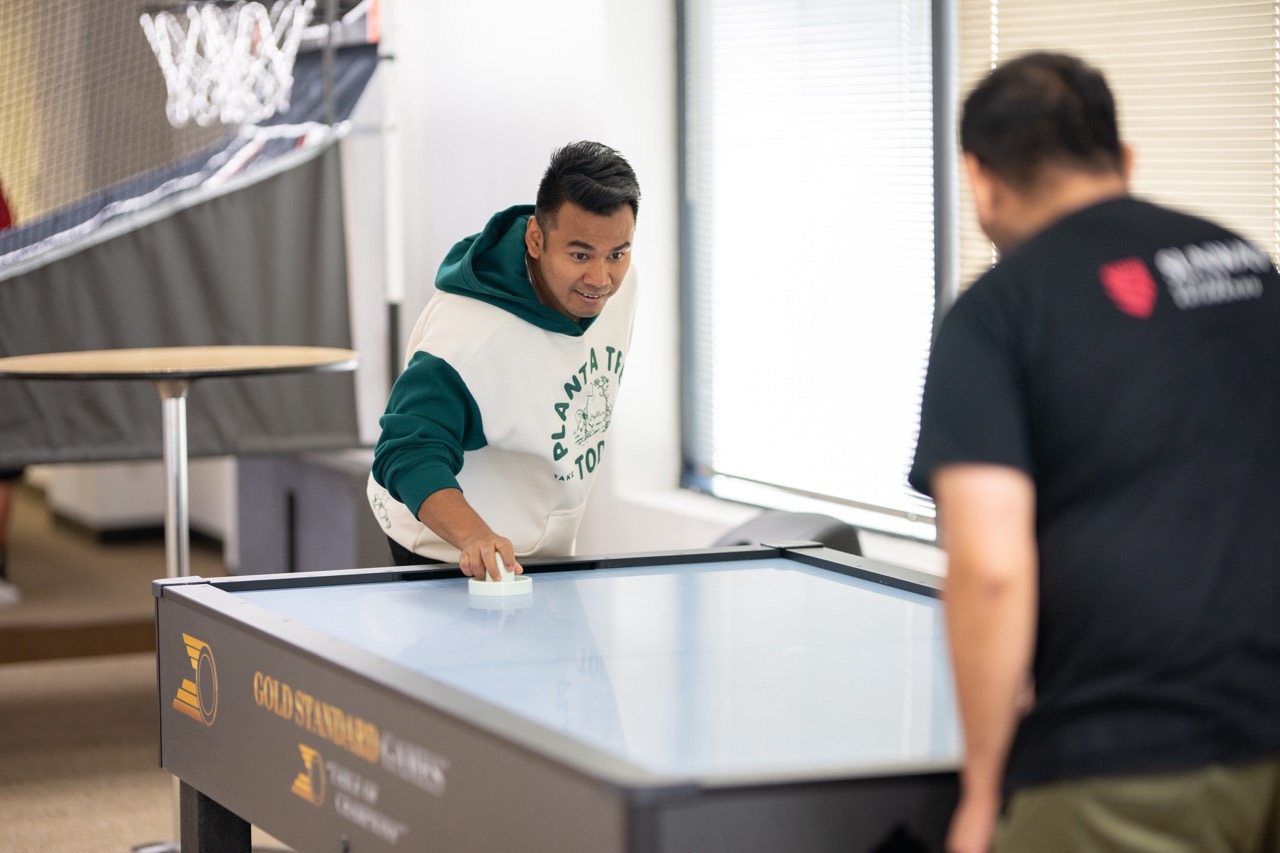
(597, 274)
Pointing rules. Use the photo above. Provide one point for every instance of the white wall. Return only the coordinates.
(485, 91)
(106, 496)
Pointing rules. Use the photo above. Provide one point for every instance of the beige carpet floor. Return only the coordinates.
(65, 572)
(79, 755)
(79, 767)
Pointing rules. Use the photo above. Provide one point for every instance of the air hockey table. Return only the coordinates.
(740, 699)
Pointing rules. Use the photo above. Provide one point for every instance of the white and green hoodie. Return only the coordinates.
(503, 397)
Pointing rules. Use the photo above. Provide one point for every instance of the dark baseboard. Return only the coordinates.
(24, 643)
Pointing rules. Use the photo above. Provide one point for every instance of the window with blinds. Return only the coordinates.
(809, 252)
(1196, 88)
(810, 237)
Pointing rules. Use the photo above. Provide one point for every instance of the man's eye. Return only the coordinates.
(579, 256)
(617, 256)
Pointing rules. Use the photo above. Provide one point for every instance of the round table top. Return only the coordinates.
(159, 363)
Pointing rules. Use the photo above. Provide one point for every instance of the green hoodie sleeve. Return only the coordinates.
(431, 418)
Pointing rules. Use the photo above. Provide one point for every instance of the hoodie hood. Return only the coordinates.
(490, 266)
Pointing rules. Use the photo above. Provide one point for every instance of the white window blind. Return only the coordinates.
(1196, 87)
(809, 217)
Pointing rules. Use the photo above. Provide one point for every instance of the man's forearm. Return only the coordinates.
(990, 629)
(987, 515)
(447, 514)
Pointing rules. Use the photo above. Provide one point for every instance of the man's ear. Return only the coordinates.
(533, 239)
(983, 186)
(1126, 163)
(996, 205)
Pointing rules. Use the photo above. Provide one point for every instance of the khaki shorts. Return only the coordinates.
(1202, 811)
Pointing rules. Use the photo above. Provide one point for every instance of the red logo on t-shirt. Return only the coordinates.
(1130, 286)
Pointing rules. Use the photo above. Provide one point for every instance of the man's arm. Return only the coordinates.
(449, 516)
(431, 419)
(987, 521)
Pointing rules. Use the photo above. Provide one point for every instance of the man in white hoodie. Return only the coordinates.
(495, 430)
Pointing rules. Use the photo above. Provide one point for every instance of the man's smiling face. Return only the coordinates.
(579, 260)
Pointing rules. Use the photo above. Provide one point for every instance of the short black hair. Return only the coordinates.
(1042, 110)
(591, 175)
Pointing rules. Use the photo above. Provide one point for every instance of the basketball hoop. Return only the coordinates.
(229, 63)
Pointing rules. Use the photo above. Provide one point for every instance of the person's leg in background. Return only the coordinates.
(8, 481)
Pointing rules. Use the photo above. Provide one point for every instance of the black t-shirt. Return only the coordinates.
(1127, 358)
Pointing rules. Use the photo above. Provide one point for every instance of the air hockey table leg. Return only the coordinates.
(207, 827)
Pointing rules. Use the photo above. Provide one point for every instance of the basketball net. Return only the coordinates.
(231, 64)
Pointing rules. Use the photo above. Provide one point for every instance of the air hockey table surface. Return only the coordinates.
(745, 699)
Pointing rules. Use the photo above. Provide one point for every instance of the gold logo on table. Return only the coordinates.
(310, 783)
(198, 695)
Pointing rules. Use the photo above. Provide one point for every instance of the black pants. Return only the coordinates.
(404, 557)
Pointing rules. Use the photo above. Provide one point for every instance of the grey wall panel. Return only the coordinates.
(265, 264)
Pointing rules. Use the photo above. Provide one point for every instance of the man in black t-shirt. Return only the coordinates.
(1101, 434)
